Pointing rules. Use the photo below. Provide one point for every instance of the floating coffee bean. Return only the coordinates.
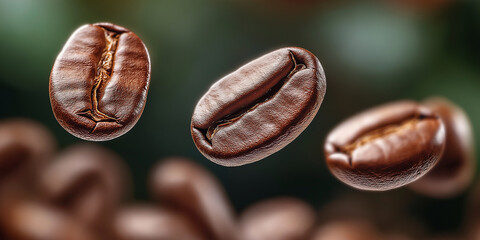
(99, 82)
(385, 147)
(260, 108)
(143, 222)
(455, 169)
(25, 146)
(182, 185)
(86, 181)
(277, 219)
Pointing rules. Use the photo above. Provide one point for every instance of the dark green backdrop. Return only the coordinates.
(372, 53)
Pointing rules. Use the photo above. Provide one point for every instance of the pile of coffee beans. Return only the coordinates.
(84, 191)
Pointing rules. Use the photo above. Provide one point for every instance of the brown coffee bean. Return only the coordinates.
(455, 169)
(185, 186)
(277, 219)
(348, 230)
(25, 146)
(29, 220)
(143, 222)
(388, 212)
(99, 82)
(472, 216)
(385, 147)
(474, 233)
(260, 108)
(86, 181)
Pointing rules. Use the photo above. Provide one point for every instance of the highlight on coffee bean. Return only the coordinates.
(99, 82)
(259, 108)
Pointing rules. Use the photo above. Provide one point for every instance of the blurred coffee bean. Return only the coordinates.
(385, 147)
(389, 212)
(86, 181)
(455, 169)
(277, 219)
(347, 230)
(474, 234)
(143, 222)
(30, 220)
(472, 216)
(187, 187)
(25, 146)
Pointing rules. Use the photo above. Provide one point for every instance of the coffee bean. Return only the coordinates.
(143, 222)
(86, 181)
(25, 146)
(347, 230)
(455, 169)
(385, 147)
(99, 82)
(23, 219)
(282, 218)
(180, 184)
(260, 108)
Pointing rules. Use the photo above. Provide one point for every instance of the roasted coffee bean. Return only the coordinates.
(390, 212)
(86, 181)
(30, 220)
(143, 222)
(99, 82)
(474, 234)
(385, 147)
(182, 185)
(277, 219)
(455, 169)
(348, 230)
(472, 216)
(25, 146)
(260, 108)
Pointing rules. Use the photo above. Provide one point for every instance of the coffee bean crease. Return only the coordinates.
(231, 118)
(104, 73)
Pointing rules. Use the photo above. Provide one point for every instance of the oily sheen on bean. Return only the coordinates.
(259, 108)
(99, 82)
(385, 147)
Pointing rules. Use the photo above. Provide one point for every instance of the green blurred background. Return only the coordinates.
(372, 52)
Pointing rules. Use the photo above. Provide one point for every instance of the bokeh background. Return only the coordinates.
(372, 52)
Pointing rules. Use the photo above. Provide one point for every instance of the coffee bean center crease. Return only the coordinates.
(103, 74)
(381, 132)
(231, 118)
